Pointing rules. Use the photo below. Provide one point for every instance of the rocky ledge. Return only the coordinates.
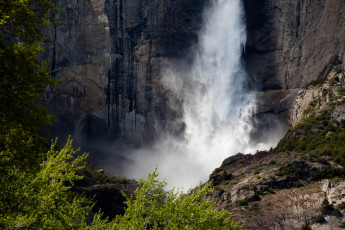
(278, 191)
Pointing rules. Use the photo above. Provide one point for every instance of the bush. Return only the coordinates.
(341, 205)
(326, 208)
(305, 226)
(243, 203)
(217, 170)
(342, 225)
(272, 162)
(155, 208)
(319, 219)
(322, 160)
(336, 212)
(297, 170)
(43, 200)
(226, 176)
(328, 174)
(318, 133)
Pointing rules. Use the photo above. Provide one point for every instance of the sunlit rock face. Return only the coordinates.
(107, 56)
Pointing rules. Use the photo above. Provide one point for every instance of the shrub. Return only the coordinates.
(305, 226)
(342, 225)
(318, 81)
(155, 208)
(243, 203)
(318, 134)
(226, 175)
(272, 162)
(341, 205)
(336, 212)
(326, 207)
(217, 170)
(322, 160)
(319, 219)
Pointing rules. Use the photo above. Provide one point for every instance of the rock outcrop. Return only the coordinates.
(276, 191)
(105, 191)
(107, 56)
(300, 183)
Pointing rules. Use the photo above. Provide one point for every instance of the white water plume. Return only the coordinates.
(217, 106)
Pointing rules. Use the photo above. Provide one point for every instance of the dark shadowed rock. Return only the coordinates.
(290, 43)
(108, 56)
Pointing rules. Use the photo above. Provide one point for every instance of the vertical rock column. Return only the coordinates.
(108, 56)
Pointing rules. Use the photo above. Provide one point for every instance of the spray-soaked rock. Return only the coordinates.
(108, 57)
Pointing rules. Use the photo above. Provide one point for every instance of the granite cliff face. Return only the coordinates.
(108, 56)
(291, 43)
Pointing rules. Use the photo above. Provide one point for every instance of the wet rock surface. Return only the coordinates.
(108, 57)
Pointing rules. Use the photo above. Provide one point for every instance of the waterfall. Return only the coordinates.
(217, 106)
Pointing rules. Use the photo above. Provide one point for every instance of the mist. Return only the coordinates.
(217, 105)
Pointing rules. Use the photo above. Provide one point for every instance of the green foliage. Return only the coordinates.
(319, 219)
(342, 225)
(43, 200)
(23, 19)
(322, 160)
(217, 170)
(335, 80)
(155, 208)
(318, 81)
(295, 170)
(254, 206)
(317, 134)
(249, 187)
(336, 212)
(329, 174)
(272, 162)
(326, 207)
(226, 176)
(305, 226)
(23, 78)
(23, 75)
(341, 205)
(243, 203)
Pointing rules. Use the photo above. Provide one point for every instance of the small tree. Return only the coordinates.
(43, 200)
(155, 208)
(23, 78)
